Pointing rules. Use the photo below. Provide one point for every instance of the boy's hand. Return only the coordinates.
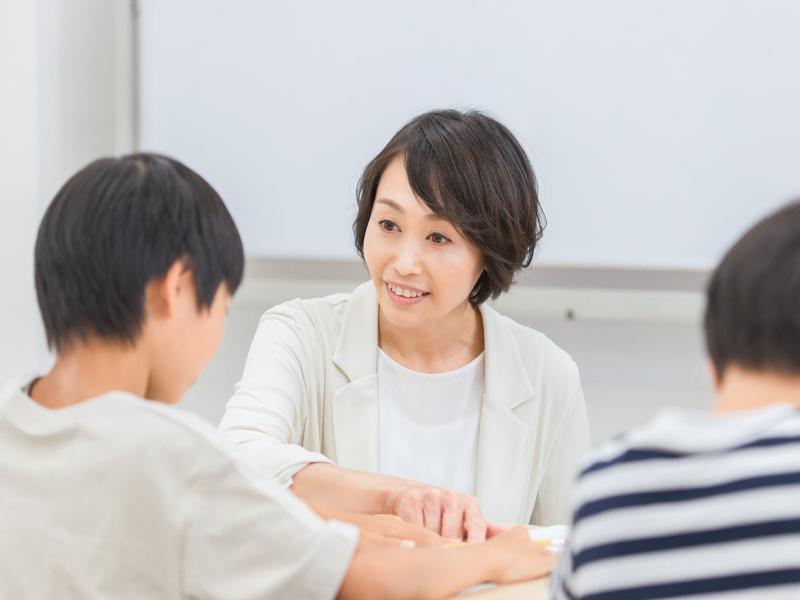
(390, 530)
(452, 515)
(519, 557)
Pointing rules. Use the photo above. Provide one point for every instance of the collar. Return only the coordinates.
(356, 353)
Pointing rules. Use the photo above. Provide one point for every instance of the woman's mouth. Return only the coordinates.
(404, 295)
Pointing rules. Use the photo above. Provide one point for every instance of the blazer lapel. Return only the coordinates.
(505, 441)
(355, 405)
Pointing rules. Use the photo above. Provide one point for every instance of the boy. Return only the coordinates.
(108, 492)
(709, 504)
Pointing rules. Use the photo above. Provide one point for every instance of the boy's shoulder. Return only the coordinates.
(683, 432)
(152, 426)
(165, 446)
(120, 426)
(678, 444)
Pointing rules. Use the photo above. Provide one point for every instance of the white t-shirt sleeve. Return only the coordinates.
(246, 538)
(264, 418)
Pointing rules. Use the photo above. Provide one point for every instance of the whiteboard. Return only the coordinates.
(658, 130)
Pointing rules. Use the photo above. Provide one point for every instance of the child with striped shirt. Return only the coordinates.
(708, 504)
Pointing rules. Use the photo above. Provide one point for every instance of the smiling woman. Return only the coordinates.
(417, 258)
(432, 406)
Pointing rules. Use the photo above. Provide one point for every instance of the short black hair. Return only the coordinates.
(116, 225)
(752, 317)
(469, 169)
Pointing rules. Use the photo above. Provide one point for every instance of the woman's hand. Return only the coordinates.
(379, 530)
(452, 515)
(519, 557)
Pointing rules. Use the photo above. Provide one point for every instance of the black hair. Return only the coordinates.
(469, 169)
(113, 227)
(752, 316)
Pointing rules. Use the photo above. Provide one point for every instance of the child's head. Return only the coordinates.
(752, 318)
(126, 248)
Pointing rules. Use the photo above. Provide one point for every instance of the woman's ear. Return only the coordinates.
(163, 294)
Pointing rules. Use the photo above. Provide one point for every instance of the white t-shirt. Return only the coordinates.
(428, 423)
(118, 497)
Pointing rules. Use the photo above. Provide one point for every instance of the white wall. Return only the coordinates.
(658, 129)
(21, 345)
(66, 101)
(66, 94)
(85, 86)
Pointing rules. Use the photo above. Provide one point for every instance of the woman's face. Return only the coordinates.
(422, 268)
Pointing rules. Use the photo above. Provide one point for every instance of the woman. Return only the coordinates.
(413, 377)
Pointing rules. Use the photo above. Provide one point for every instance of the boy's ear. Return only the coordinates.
(163, 294)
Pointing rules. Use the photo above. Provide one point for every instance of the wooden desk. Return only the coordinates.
(529, 590)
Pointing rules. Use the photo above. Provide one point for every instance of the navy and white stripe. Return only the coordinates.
(691, 504)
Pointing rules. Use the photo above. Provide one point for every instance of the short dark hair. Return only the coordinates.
(116, 225)
(752, 316)
(469, 169)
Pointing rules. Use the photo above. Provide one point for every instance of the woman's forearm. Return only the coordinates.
(348, 490)
(445, 512)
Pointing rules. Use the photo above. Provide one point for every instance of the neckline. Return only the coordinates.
(727, 429)
(471, 365)
(23, 404)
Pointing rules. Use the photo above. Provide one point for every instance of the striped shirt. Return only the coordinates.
(690, 504)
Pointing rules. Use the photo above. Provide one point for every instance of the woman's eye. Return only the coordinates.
(438, 238)
(387, 225)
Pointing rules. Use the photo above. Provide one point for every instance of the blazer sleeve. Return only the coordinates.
(265, 417)
(572, 442)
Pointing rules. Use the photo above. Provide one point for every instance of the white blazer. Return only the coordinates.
(309, 393)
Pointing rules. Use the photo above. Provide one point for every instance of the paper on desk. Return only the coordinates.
(555, 534)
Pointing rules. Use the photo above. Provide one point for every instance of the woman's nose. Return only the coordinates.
(407, 261)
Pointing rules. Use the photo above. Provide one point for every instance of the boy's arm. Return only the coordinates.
(243, 536)
(440, 572)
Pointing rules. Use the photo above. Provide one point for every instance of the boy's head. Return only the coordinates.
(752, 318)
(125, 248)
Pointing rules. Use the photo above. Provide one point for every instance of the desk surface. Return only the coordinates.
(530, 590)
